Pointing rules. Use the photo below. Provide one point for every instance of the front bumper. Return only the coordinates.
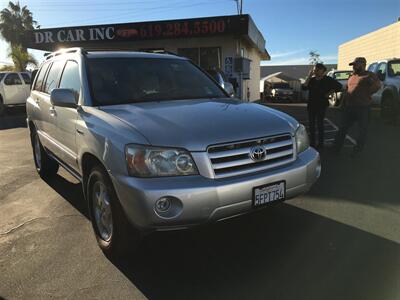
(204, 199)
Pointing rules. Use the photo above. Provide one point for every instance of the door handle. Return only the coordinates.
(80, 132)
(53, 112)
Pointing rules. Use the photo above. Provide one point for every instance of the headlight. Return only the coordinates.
(146, 161)
(302, 142)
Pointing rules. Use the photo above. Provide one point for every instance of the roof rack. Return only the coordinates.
(158, 51)
(64, 51)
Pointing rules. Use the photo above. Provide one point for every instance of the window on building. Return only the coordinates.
(205, 57)
(191, 53)
(70, 78)
(52, 78)
(210, 57)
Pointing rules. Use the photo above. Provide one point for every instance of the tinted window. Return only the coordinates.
(70, 78)
(372, 67)
(52, 78)
(26, 78)
(394, 68)
(281, 86)
(2, 76)
(129, 80)
(40, 77)
(382, 68)
(12, 79)
(342, 75)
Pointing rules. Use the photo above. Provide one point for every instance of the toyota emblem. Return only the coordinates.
(258, 153)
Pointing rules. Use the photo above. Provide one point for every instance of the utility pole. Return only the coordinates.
(239, 6)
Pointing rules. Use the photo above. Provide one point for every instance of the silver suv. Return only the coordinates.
(159, 145)
(388, 96)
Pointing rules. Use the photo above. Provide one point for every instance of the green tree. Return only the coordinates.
(314, 57)
(7, 68)
(15, 22)
(21, 58)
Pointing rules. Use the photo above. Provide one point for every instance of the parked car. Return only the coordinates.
(342, 77)
(281, 91)
(220, 77)
(388, 97)
(159, 145)
(14, 89)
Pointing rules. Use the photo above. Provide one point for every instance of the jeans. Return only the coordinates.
(316, 114)
(352, 114)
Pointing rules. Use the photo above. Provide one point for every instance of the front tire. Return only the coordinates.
(114, 234)
(45, 165)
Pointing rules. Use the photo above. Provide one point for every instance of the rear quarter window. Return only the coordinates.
(26, 78)
(40, 77)
(53, 76)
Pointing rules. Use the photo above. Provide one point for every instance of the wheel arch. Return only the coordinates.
(88, 161)
(390, 91)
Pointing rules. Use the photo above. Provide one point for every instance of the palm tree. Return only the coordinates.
(314, 57)
(15, 22)
(21, 58)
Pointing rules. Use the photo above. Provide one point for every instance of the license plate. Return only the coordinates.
(268, 193)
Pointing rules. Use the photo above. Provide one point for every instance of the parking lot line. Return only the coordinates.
(330, 129)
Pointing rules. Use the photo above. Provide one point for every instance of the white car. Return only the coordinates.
(341, 77)
(14, 88)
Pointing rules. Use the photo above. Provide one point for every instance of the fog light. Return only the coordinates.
(162, 205)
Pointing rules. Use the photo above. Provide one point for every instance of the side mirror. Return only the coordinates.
(63, 98)
(228, 87)
(381, 76)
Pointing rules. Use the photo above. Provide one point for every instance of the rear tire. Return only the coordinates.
(389, 109)
(115, 236)
(2, 106)
(45, 165)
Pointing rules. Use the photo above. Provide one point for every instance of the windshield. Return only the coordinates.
(281, 86)
(394, 68)
(130, 80)
(2, 76)
(342, 75)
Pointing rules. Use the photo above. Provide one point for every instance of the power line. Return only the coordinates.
(129, 13)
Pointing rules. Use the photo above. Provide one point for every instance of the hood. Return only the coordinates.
(196, 124)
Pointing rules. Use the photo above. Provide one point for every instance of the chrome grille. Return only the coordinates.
(235, 159)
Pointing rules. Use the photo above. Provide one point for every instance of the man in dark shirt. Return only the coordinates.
(320, 87)
(357, 100)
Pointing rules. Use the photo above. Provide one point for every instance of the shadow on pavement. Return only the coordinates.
(13, 117)
(69, 190)
(370, 178)
(279, 253)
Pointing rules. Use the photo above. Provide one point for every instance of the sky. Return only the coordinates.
(292, 28)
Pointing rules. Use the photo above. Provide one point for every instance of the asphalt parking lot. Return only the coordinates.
(339, 241)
